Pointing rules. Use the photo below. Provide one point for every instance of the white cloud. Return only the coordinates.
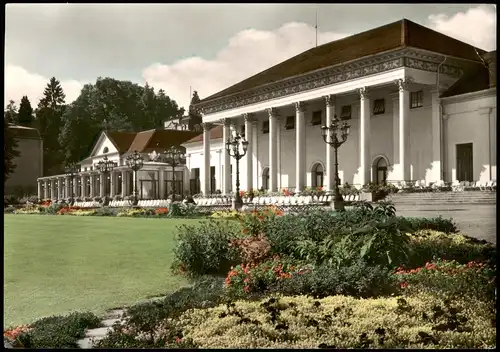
(19, 82)
(477, 26)
(247, 53)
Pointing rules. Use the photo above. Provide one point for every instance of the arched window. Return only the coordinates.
(380, 171)
(317, 175)
(265, 178)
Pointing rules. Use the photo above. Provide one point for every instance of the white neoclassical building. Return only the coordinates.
(154, 180)
(421, 105)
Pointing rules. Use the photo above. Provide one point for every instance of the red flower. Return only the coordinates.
(403, 284)
(246, 288)
(178, 339)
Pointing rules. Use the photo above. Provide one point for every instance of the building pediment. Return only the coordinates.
(103, 146)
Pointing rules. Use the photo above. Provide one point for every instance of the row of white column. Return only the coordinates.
(300, 129)
(46, 192)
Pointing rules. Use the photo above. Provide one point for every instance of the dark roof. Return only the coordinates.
(121, 140)
(148, 141)
(390, 37)
(474, 80)
(23, 132)
(215, 133)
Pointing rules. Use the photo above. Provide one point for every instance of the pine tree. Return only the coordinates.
(10, 113)
(9, 151)
(49, 112)
(194, 100)
(25, 114)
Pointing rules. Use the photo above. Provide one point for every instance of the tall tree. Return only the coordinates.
(10, 113)
(113, 105)
(194, 100)
(49, 112)
(9, 151)
(25, 114)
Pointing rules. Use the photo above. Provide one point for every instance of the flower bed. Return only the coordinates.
(341, 322)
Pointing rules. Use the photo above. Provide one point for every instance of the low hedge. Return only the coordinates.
(145, 318)
(343, 322)
(57, 331)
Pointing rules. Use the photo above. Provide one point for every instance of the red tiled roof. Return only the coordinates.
(121, 140)
(390, 37)
(215, 133)
(159, 139)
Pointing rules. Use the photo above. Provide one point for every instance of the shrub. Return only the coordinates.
(245, 279)
(9, 209)
(53, 208)
(58, 331)
(67, 210)
(254, 222)
(225, 214)
(436, 224)
(135, 212)
(82, 212)
(449, 278)
(204, 249)
(252, 249)
(105, 211)
(161, 211)
(427, 245)
(357, 280)
(342, 322)
(10, 199)
(147, 318)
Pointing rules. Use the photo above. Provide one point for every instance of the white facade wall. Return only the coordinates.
(384, 129)
(471, 118)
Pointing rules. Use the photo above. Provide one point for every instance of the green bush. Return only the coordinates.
(146, 318)
(427, 245)
(9, 209)
(436, 224)
(59, 331)
(356, 280)
(343, 322)
(450, 278)
(106, 211)
(10, 199)
(204, 249)
(53, 208)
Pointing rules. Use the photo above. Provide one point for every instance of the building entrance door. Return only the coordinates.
(464, 162)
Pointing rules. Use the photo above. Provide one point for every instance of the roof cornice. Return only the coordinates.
(366, 66)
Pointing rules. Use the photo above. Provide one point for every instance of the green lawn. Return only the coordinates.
(58, 264)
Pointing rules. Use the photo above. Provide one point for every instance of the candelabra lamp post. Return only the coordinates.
(233, 148)
(135, 162)
(335, 135)
(105, 166)
(174, 156)
(72, 169)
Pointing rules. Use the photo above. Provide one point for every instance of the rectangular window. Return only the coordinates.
(242, 131)
(345, 113)
(378, 107)
(290, 123)
(316, 118)
(196, 172)
(416, 99)
(265, 127)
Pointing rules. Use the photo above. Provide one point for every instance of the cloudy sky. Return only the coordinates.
(203, 46)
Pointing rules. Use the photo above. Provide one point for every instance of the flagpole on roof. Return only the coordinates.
(316, 26)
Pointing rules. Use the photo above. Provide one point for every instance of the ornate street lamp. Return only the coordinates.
(174, 156)
(335, 135)
(105, 166)
(135, 162)
(72, 169)
(233, 148)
